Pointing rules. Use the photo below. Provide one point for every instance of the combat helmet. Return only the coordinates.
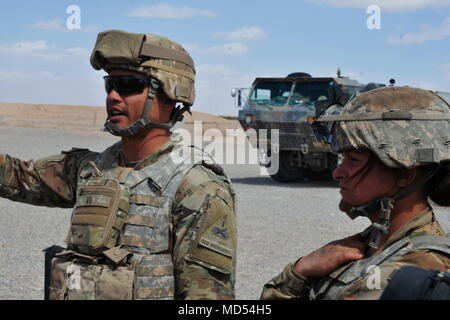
(404, 127)
(166, 63)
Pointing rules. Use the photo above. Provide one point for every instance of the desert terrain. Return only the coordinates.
(92, 118)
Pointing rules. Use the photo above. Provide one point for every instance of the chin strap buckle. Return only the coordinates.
(375, 231)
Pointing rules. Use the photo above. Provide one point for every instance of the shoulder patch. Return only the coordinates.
(218, 238)
(216, 242)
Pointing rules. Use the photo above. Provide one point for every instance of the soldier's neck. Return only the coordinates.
(144, 144)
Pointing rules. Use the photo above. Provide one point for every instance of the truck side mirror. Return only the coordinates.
(237, 92)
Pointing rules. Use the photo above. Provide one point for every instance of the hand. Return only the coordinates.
(330, 257)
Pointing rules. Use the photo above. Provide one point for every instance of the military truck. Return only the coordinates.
(290, 105)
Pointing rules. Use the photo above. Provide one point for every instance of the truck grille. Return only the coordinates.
(292, 135)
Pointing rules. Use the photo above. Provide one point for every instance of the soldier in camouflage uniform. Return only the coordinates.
(395, 142)
(152, 219)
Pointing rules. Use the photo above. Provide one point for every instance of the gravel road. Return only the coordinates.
(277, 223)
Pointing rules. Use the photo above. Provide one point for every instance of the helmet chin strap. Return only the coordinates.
(385, 206)
(144, 121)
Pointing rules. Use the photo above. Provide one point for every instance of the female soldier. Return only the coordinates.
(395, 142)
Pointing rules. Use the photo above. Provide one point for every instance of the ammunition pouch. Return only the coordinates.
(100, 211)
(80, 277)
(72, 279)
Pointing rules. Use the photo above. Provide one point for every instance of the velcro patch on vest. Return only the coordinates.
(146, 200)
(159, 293)
(90, 219)
(138, 220)
(135, 241)
(97, 200)
(150, 271)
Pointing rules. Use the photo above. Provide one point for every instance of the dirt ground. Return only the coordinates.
(72, 117)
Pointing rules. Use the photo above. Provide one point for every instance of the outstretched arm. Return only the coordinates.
(46, 182)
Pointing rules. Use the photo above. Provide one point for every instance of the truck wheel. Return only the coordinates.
(288, 171)
(326, 175)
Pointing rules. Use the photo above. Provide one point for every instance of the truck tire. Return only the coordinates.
(287, 172)
(326, 175)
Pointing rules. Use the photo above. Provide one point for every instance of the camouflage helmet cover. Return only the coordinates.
(152, 55)
(405, 127)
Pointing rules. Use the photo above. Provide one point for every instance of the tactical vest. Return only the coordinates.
(330, 287)
(119, 243)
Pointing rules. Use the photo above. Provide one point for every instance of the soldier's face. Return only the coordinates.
(124, 110)
(363, 178)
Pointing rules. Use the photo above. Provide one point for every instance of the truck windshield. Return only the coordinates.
(445, 95)
(270, 93)
(307, 93)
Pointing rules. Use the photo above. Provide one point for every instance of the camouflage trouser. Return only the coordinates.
(80, 281)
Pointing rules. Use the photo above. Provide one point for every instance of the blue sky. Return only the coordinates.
(232, 42)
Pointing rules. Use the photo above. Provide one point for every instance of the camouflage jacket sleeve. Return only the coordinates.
(46, 182)
(287, 285)
(204, 237)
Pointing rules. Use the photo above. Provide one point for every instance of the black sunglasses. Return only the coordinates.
(125, 85)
